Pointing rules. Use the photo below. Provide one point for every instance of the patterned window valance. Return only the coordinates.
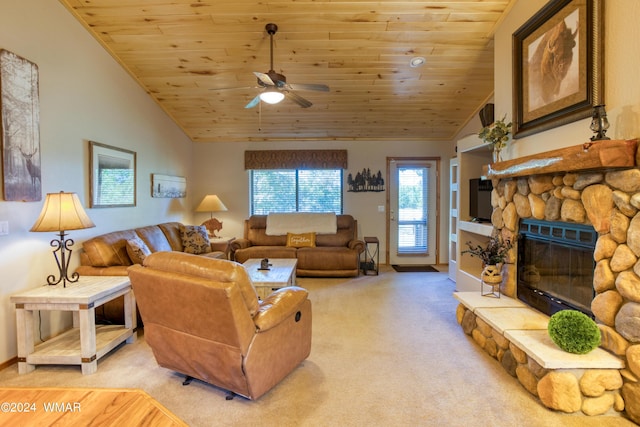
(295, 159)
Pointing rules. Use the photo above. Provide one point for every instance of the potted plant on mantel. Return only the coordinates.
(493, 255)
(496, 135)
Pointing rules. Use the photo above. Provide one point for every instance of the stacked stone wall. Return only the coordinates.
(610, 201)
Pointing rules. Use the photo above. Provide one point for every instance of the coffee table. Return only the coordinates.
(86, 342)
(281, 273)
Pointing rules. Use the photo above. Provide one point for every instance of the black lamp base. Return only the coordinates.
(62, 253)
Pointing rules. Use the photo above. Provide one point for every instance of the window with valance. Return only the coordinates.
(296, 180)
(295, 159)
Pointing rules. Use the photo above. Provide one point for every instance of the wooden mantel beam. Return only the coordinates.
(594, 155)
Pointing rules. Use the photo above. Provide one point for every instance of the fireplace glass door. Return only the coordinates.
(555, 266)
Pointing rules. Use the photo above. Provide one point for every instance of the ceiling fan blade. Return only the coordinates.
(255, 101)
(264, 78)
(298, 99)
(235, 88)
(302, 86)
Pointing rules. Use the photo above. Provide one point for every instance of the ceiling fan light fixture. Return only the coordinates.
(272, 96)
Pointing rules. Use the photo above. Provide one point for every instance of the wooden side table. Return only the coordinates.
(85, 343)
(371, 251)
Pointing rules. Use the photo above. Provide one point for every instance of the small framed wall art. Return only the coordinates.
(168, 186)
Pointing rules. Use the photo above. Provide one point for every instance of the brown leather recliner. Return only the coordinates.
(202, 318)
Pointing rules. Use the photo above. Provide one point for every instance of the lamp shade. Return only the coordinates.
(62, 211)
(211, 203)
(272, 96)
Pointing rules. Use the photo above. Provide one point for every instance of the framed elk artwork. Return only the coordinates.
(20, 134)
(557, 66)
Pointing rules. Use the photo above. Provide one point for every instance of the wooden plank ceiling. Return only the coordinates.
(185, 52)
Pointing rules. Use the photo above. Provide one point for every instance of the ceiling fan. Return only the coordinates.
(275, 85)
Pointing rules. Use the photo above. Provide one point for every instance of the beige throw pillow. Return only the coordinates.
(137, 250)
(304, 240)
(195, 239)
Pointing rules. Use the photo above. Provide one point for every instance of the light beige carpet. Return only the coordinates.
(386, 351)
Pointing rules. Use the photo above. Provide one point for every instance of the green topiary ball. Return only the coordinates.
(574, 331)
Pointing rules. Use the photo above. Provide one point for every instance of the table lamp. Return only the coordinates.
(212, 203)
(61, 212)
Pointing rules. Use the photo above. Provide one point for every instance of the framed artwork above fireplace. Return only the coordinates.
(557, 66)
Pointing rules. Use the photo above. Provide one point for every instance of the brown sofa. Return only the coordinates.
(107, 255)
(335, 255)
(203, 319)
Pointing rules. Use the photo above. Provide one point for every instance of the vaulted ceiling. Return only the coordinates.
(196, 59)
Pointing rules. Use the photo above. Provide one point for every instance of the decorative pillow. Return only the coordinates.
(305, 240)
(137, 250)
(195, 239)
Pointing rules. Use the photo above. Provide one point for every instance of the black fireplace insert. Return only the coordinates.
(556, 265)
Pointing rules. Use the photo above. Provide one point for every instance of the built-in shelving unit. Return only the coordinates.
(453, 217)
(473, 156)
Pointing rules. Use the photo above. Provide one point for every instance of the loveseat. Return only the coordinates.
(333, 254)
(203, 319)
(111, 254)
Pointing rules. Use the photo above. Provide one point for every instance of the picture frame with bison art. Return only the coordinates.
(557, 66)
(20, 128)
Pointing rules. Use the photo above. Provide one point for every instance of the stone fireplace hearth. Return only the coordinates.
(596, 184)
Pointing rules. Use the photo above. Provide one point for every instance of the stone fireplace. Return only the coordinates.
(597, 186)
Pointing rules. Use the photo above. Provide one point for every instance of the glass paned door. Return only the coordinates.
(413, 210)
(413, 213)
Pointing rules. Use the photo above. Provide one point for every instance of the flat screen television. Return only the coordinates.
(480, 208)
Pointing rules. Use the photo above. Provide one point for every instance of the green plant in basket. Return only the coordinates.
(574, 331)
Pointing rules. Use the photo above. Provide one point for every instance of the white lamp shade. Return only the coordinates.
(62, 211)
(272, 96)
(211, 203)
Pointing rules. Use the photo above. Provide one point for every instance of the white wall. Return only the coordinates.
(84, 95)
(621, 92)
(219, 169)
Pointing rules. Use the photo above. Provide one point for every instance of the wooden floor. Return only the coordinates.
(79, 406)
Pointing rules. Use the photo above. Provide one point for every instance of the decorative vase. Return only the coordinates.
(492, 277)
(497, 157)
(492, 274)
